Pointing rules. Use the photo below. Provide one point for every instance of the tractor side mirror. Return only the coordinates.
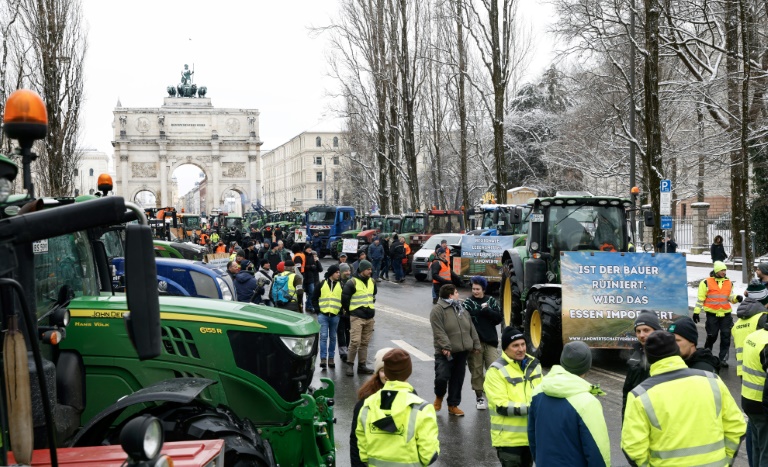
(516, 215)
(143, 317)
(649, 220)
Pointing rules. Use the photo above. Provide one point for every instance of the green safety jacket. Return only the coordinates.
(397, 428)
(745, 326)
(509, 388)
(330, 300)
(665, 426)
(752, 370)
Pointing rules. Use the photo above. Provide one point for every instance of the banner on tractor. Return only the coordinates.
(217, 260)
(481, 256)
(604, 292)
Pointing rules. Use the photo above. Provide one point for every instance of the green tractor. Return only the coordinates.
(531, 292)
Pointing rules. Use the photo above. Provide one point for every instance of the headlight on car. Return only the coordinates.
(301, 346)
(226, 293)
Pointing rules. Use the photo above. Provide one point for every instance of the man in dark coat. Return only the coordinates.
(687, 336)
(245, 283)
(639, 368)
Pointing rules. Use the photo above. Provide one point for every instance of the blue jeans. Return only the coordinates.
(397, 267)
(309, 291)
(376, 268)
(328, 328)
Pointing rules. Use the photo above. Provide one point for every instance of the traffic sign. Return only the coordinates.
(665, 204)
(666, 186)
(666, 222)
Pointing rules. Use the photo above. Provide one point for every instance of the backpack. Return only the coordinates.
(280, 294)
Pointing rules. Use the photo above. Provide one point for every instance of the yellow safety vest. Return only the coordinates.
(740, 331)
(330, 300)
(363, 296)
(510, 389)
(291, 286)
(663, 426)
(408, 439)
(752, 373)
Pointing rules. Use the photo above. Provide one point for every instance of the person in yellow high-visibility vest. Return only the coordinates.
(326, 299)
(715, 298)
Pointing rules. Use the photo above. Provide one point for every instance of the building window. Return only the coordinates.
(335, 141)
(335, 160)
(319, 194)
(77, 172)
(319, 176)
(318, 142)
(319, 160)
(90, 172)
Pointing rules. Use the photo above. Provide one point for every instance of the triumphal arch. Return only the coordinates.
(150, 143)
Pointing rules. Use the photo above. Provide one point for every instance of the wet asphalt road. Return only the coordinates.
(402, 320)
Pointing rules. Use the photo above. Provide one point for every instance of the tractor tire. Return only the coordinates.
(334, 253)
(544, 327)
(420, 277)
(509, 297)
(199, 421)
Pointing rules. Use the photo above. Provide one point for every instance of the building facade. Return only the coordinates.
(92, 164)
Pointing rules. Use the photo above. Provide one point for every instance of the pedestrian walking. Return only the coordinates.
(397, 253)
(454, 338)
(486, 316)
(376, 256)
(717, 250)
(395, 426)
(358, 297)
(310, 270)
(386, 262)
(245, 283)
(369, 388)
(342, 333)
(441, 273)
(509, 385)
(565, 408)
(687, 336)
(361, 256)
(680, 416)
(715, 298)
(639, 368)
(327, 301)
(264, 277)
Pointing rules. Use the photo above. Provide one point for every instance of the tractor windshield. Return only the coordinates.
(191, 222)
(376, 223)
(444, 223)
(233, 222)
(113, 243)
(413, 224)
(574, 228)
(322, 217)
(392, 224)
(490, 219)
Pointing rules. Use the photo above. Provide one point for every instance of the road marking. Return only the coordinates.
(609, 374)
(413, 351)
(410, 316)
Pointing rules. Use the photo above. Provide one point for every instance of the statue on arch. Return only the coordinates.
(186, 75)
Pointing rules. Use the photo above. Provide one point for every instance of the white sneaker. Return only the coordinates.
(482, 404)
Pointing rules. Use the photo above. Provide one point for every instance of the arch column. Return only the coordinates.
(216, 175)
(124, 169)
(163, 157)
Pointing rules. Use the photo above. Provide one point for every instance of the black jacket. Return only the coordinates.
(639, 371)
(485, 319)
(346, 295)
(397, 251)
(703, 359)
(717, 251)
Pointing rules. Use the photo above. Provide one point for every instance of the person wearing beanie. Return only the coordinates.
(369, 388)
(398, 254)
(454, 338)
(639, 368)
(274, 256)
(442, 274)
(264, 277)
(381, 437)
(686, 336)
(361, 256)
(245, 283)
(486, 316)
(761, 271)
(326, 299)
(508, 403)
(753, 393)
(565, 408)
(751, 315)
(715, 298)
(289, 287)
(376, 256)
(358, 298)
(680, 416)
(342, 335)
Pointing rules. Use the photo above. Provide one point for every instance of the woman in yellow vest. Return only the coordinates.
(327, 300)
(715, 298)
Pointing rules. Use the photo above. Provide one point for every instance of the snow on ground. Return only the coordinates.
(696, 274)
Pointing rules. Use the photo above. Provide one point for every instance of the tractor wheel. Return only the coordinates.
(420, 277)
(509, 295)
(199, 421)
(334, 253)
(544, 327)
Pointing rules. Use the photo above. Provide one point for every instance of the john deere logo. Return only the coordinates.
(672, 328)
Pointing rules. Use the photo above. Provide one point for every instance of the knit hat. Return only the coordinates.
(263, 262)
(509, 335)
(660, 344)
(576, 358)
(440, 251)
(344, 267)
(379, 361)
(364, 264)
(332, 269)
(244, 263)
(648, 318)
(685, 328)
(397, 365)
(343, 255)
(281, 266)
(719, 266)
(763, 267)
(757, 292)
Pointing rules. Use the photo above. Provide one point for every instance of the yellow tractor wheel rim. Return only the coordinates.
(535, 328)
(507, 311)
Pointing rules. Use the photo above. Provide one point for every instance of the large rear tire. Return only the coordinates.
(544, 327)
(509, 296)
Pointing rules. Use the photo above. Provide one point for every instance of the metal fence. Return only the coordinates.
(683, 232)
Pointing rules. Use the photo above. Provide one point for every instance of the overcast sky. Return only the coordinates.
(255, 54)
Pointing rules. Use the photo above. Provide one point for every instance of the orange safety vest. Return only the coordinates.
(204, 239)
(303, 260)
(221, 249)
(717, 298)
(445, 272)
(407, 249)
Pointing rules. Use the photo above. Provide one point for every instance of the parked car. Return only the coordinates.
(421, 257)
(184, 278)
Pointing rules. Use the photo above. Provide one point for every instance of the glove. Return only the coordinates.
(739, 298)
(696, 318)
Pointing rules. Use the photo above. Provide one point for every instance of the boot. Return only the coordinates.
(323, 363)
(434, 301)
(455, 410)
(350, 369)
(364, 370)
(438, 403)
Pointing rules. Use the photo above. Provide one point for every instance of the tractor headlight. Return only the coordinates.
(534, 246)
(5, 189)
(226, 293)
(142, 438)
(301, 346)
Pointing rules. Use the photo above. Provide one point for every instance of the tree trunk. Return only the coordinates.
(499, 87)
(737, 163)
(739, 202)
(409, 146)
(652, 160)
(462, 107)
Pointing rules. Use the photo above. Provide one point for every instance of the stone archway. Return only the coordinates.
(144, 189)
(200, 190)
(244, 199)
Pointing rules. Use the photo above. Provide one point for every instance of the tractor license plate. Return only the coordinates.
(537, 217)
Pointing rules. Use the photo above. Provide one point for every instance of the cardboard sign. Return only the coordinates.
(604, 292)
(349, 245)
(218, 260)
(300, 235)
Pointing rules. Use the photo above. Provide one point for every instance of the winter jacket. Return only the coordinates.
(717, 251)
(266, 277)
(748, 322)
(452, 328)
(312, 270)
(485, 319)
(349, 290)
(639, 371)
(245, 285)
(702, 359)
(397, 251)
(274, 259)
(376, 252)
(564, 408)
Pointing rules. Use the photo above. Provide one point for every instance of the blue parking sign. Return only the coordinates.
(666, 222)
(666, 186)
